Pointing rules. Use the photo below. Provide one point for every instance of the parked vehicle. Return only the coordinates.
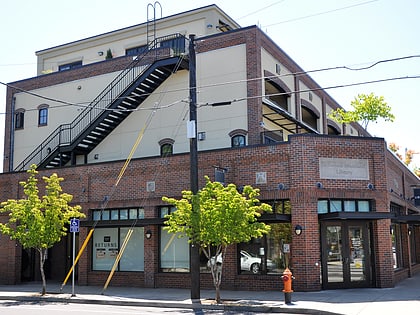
(249, 262)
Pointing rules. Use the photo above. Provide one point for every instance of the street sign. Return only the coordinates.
(74, 225)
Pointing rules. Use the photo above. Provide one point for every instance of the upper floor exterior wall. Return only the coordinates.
(242, 67)
(201, 22)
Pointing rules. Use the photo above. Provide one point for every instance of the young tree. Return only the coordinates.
(225, 217)
(366, 108)
(39, 222)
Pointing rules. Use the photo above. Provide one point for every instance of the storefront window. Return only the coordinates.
(396, 245)
(107, 244)
(174, 252)
(412, 237)
(269, 254)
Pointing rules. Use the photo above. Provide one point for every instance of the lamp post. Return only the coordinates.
(192, 127)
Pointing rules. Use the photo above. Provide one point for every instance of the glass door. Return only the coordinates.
(345, 255)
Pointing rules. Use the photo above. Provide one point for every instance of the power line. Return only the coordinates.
(320, 13)
(298, 73)
(262, 9)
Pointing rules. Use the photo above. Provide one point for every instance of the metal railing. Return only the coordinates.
(65, 134)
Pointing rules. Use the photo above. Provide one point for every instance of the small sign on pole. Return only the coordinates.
(74, 225)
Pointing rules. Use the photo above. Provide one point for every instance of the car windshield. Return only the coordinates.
(248, 254)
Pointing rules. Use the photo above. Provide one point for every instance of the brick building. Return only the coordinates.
(351, 199)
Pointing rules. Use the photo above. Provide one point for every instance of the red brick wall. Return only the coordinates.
(294, 163)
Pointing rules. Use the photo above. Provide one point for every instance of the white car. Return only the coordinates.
(249, 262)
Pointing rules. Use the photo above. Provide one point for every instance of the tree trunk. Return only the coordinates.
(42, 256)
(216, 271)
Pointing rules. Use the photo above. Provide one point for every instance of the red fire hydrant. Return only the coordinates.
(287, 278)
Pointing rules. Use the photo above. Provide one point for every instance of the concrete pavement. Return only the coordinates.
(404, 297)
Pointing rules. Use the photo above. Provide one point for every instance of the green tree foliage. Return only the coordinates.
(366, 108)
(39, 222)
(216, 217)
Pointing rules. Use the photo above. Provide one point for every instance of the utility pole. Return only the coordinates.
(194, 248)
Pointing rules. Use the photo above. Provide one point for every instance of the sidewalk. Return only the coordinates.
(405, 297)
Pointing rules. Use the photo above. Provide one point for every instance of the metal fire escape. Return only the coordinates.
(123, 95)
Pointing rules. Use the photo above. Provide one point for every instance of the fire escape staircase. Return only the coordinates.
(125, 93)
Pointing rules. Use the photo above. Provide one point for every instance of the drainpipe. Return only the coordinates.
(12, 135)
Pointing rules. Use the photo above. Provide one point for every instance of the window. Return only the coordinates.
(219, 175)
(238, 141)
(166, 147)
(174, 252)
(106, 246)
(43, 115)
(339, 205)
(19, 119)
(309, 115)
(276, 94)
(70, 66)
(135, 51)
(268, 254)
(176, 44)
(166, 150)
(396, 245)
(118, 214)
(272, 136)
(163, 211)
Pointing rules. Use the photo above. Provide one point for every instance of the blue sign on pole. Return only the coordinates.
(74, 225)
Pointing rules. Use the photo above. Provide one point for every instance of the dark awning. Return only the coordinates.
(275, 217)
(356, 216)
(284, 119)
(409, 219)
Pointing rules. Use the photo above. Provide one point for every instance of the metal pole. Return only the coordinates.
(194, 248)
(74, 254)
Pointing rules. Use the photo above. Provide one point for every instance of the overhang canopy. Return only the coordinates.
(284, 119)
(355, 216)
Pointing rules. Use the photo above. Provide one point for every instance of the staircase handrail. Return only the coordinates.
(65, 134)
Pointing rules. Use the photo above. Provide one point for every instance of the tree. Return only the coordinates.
(225, 217)
(39, 222)
(407, 158)
(366, 108)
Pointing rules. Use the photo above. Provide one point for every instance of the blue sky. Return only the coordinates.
(315, 34)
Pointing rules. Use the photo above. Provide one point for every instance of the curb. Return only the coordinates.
(234, 307)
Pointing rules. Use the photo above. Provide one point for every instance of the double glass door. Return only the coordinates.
(345, 254)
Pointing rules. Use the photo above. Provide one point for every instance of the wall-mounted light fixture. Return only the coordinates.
(282, 186)
(100, 53)
(148, 234)
(391, 230)
(298, 229)
(409, 231)
(370, 186)
(319, 185)
(48, 150)
(96, 156)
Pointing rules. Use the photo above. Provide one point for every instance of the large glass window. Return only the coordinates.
(269, 254)
(174, 252)
(107, 244)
